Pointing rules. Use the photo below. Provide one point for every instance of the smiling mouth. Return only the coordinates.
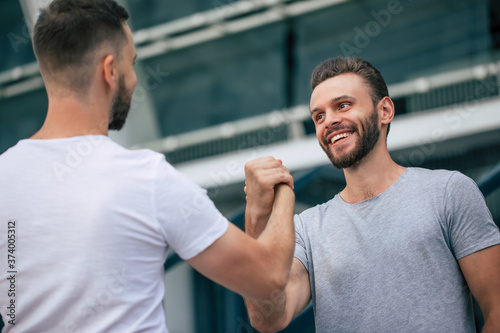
(341, 136)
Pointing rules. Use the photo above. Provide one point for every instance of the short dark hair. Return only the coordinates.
(343, 65)
(67, 33)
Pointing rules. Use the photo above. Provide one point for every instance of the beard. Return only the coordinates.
(364, 144)
(120, 106)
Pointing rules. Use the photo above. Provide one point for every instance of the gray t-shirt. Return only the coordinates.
(389, 263)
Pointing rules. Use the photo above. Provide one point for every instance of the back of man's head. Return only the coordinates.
(68, 33)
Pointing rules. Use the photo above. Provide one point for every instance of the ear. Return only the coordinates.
(110, 73)
(385, 109)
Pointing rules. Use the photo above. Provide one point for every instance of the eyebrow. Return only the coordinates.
(335, 100)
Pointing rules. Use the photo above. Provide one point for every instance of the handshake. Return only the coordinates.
(265, 178)
(256, 263)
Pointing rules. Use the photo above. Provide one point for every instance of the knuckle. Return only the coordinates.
(249, 167)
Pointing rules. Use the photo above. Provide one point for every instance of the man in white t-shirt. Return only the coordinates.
(89, 223)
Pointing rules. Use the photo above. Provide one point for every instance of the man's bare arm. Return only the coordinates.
(254, 267)
(278, 310)
(482, 272)
(281, 305)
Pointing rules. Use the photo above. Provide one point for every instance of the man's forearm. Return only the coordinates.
(269, 315)
(255, 221)
(279, 236)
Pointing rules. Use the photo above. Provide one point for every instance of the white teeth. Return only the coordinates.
(340, 136)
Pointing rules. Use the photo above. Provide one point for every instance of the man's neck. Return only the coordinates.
(68, 117)
(372, 176)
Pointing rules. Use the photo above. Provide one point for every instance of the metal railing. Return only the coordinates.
(233, 18)
(490, 181)
(435, 91)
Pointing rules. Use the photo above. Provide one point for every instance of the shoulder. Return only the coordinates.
(317, 212)
(439, 185)
(21, 154)
(139, 154)
(152, 164)
(437, 178)
(432, 175)
(140, 158)
(11, 152)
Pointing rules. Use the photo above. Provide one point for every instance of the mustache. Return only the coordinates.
(336, 128)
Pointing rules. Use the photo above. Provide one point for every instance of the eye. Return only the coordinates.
(319, 117)
(343, 105)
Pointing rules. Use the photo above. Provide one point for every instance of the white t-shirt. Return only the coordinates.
(90, 223)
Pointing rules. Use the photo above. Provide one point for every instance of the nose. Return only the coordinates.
(332, 118)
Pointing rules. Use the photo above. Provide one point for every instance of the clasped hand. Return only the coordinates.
(262, 176)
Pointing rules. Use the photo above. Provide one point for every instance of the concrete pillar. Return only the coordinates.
(31, 10)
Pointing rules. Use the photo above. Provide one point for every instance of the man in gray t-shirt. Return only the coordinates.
(398, 249)
(389, 263)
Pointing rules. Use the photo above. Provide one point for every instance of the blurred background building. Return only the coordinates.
(224, 81)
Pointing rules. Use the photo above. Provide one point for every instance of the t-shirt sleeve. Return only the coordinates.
(300, 246)
(470, 222)
(188, 218)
